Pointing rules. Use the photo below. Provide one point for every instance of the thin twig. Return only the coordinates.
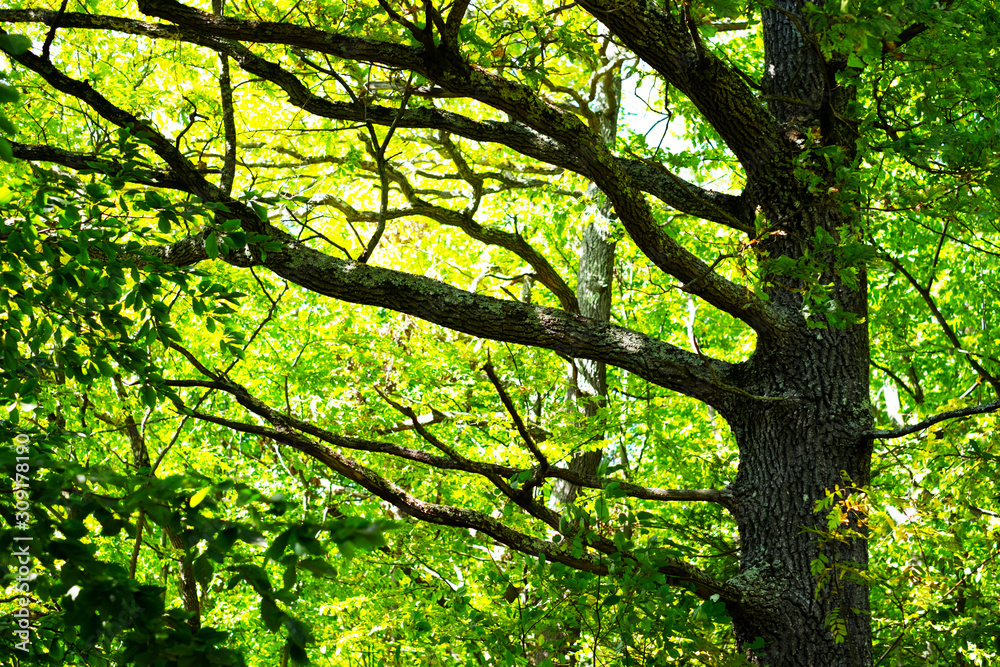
(949, 332)
(52, 30)
(383, 176)
(512, 411)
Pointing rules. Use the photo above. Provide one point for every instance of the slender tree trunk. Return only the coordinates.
(588, 380)
(140, 458)
(587, 385)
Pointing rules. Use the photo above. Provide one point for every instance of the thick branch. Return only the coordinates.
(495, 319)
(83, 162)
(571, 335)
(715, 87)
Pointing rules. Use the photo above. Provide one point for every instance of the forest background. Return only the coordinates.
(407, 283)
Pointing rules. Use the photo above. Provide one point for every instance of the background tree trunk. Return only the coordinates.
(588, 380)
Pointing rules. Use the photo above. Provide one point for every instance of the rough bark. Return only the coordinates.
(791, 455)
(794, 451)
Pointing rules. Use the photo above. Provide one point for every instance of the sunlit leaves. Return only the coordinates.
(84, 305)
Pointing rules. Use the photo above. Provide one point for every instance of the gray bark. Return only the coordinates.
(588, 379)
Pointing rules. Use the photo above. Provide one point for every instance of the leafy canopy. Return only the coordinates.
(161, 167)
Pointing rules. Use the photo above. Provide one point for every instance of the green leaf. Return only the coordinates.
(15, 45)
(260, 210)
(163, 223)
(318, 567)
(278, 545)
(212, 245)
(8, 95)
(203, 570)
(271, 615)
(6, 125)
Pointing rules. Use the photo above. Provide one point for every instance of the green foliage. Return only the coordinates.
(293, 562)
(96, 612)
(14, 45)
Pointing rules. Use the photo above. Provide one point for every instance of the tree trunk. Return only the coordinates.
(801, 423)
(793, 453)
(588, 380)
(187, 583)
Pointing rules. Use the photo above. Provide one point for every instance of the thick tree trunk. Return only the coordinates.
(793, 452)
(801, 425)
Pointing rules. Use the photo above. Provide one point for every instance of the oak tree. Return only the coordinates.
(427, 212)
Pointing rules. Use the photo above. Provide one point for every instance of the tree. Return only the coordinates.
(423, 159)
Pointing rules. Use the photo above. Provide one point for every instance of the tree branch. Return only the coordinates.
(715, 88)
(543, 463)
(676, 193)
(228, 116)
(911, 31)
(496, 319)
(949, 332)
(545, 273)
(719, 496)
(179, 165)
(86, 162)
(522, 103)
(284, 431)
(982, 408)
